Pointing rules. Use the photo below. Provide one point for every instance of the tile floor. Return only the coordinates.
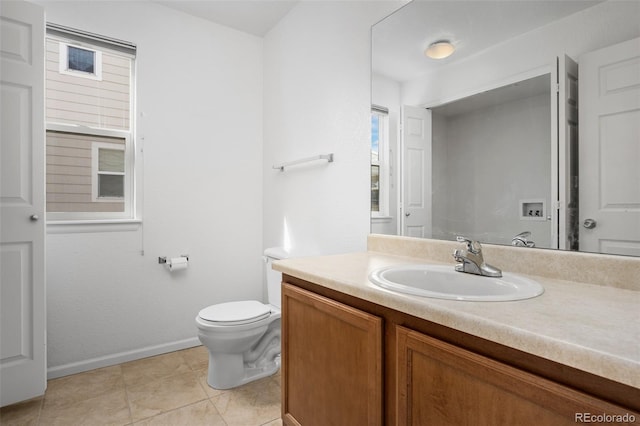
(169, 389)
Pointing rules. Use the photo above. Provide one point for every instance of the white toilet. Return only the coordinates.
(243, 337)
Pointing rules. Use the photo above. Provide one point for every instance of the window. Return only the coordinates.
(375, 162)
(379, 162)
(79, 61)
(108, 175)
(89, 119)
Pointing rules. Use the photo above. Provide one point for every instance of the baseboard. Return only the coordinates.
(119, 358)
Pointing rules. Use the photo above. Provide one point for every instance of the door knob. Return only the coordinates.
(34, 217)
(407, 214)
(589, 223)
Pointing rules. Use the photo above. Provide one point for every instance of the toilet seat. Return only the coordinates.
(235, 313)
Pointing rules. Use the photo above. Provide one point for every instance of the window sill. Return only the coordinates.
(381, 219)
(105, 225)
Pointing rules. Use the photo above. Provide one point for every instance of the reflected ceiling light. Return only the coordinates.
(440, 49)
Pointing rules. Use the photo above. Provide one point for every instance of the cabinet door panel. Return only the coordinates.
(332, 362)
(441, 384)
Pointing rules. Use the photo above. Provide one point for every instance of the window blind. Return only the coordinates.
(95, 39)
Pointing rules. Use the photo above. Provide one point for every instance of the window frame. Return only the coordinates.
(384, 170)
(63, 66)
(133, 172)
(96, 172)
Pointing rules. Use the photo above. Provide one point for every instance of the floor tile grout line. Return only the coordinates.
(195, 373)
(179, 408)
(40, 406)
(92, 396)
(191, 370)
(126, 395)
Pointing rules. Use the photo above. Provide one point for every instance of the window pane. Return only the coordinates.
(70, 173)
(375, 137)
(81, 60)
(111, 186)
(110, 160)
(102, 103)
(375, 188)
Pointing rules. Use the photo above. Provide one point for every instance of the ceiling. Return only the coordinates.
(400, 39)
(255, 17)
(540, 85)
(473, 26)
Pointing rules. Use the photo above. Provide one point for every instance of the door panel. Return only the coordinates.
(564, 161)
(22, 233)
(416, 194)
(610, 149)
(17, 330)
(442, 384)
(332, 362)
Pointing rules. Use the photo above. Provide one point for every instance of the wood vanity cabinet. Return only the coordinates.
(332, 370)
(347, 361)
(441, 384)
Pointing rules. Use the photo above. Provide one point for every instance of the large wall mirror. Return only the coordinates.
(528, 134)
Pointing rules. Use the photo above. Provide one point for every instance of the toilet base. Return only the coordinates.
(241, 353)
(228, 371)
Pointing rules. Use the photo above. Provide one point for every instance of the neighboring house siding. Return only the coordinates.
(77, 100)
(69, 173)
(95, 103)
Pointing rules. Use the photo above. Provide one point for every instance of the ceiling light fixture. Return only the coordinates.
(440, 49)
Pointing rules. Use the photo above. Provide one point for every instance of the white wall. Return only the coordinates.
(470, 193)
(317, 101)
(199, 94)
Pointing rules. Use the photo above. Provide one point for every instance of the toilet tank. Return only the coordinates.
(274, 278)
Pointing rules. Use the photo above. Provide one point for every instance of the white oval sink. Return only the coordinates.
(443, 282)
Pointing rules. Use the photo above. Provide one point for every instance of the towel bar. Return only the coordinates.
(328, 157)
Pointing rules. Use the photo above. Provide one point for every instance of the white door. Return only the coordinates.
(564, 158)
(416, 168)
(610, 149)
(22, 227)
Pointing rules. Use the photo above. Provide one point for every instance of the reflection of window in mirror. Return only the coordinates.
(379, 162)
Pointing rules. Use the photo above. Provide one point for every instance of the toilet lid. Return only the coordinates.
(233, 313)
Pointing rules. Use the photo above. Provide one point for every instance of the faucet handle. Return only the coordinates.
(472, 246)
(521, 240)
(457, 255)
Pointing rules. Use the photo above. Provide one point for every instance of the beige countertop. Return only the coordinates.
(594, 328)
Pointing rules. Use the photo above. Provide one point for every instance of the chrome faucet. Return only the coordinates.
(521, 240)
(472, 261)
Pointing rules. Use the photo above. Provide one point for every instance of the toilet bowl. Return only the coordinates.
(243, 337)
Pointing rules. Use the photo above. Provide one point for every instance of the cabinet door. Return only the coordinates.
(332, 362)
(441, 384)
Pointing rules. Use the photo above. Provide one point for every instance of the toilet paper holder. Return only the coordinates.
(162, 260)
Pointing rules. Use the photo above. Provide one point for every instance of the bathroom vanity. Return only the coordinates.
(354, 353)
